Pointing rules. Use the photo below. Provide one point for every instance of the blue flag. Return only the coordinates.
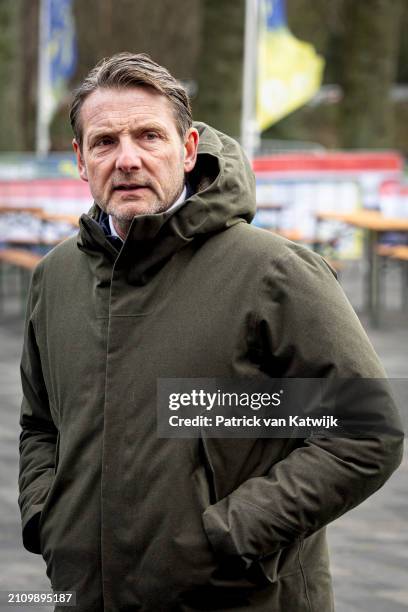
(62, 42)
(58, 52)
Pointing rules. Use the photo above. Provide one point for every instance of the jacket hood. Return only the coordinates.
(224, 194)
(223, 181)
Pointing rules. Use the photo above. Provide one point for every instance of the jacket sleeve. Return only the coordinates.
(38, 436)
(308, 329)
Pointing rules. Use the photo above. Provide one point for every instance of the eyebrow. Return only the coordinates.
(110, 130)
(101, 132)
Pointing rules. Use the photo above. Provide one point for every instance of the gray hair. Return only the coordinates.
(126, 70)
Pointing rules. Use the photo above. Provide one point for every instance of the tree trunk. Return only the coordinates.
(369, 69)
(220, 65)
(10, 96)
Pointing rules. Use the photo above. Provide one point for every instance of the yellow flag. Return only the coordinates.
(289, 70)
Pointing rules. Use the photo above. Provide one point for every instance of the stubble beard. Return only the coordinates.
(122, 217)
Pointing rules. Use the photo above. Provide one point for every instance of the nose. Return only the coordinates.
(128, 156)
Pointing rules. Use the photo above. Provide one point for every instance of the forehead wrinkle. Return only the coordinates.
(121, 120)
(126, 102)
(112, 109)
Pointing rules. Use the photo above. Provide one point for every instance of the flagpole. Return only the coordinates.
(249, 130)
(42, 127)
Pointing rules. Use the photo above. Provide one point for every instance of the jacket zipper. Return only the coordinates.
(210, 473)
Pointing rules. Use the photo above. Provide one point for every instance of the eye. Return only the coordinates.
(104, 141)
(151, 136)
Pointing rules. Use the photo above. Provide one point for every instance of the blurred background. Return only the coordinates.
(317, 93)
(363, 102)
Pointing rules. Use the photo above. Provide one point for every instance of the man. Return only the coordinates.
(168, 279)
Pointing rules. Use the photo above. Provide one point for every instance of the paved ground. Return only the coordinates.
(369, 546)
(18, 568)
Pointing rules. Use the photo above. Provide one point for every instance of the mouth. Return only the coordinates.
(128, 187)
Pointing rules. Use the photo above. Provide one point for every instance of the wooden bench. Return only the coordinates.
(395, 251)
(20, 258)
(24, 261)
(385, 250)
(398, 252)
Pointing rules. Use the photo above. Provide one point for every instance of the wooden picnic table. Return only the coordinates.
(371, 220)
(44, 217)
(40, 213)
(373, 223)
(14, 208)
(57, 217)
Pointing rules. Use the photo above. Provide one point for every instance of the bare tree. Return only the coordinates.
(219, 71)
(11, 131)
(203, 40)
(167, 30)
(370, 52)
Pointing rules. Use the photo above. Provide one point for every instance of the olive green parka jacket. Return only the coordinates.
(131, 521)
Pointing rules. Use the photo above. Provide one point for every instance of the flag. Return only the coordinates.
(289, 71)
(57, 62)
(60, 49)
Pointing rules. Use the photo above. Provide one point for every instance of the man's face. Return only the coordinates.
(132, 154)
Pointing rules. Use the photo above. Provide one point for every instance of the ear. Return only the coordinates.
(80, 161)
(190, 149)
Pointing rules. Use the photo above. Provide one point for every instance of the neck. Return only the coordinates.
(122, 226)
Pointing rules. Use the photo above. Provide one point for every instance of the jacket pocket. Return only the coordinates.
(284, 562)
(262, 571)
(48, 501)
(43, 519)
